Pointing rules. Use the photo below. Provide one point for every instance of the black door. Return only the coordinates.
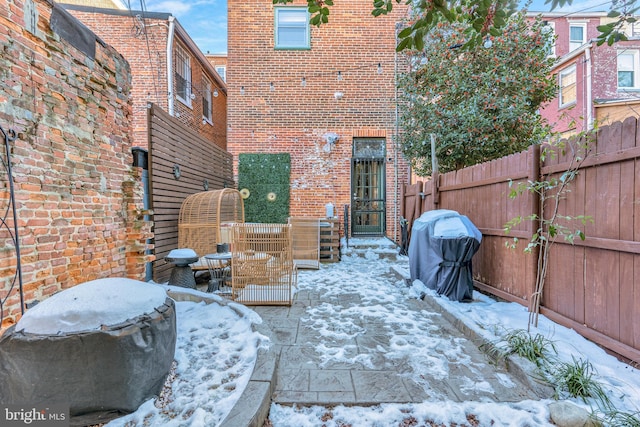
(368, 198)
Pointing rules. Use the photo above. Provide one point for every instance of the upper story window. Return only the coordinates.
(629, 69)
(632, 29)
(292, 28)
(206, 101)
(549, 30)
(183, 75)
(567, 84)
(222, 72)
(577, 35)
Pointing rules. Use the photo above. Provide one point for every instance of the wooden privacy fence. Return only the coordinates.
(593, 286)
(181, 163)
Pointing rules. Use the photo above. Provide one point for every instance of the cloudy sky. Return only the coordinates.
(206, 20)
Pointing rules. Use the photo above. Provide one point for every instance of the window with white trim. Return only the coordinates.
(631, 29)
(629, 69)
(549, 29)
(183, 75)
(222, 72)
(567, 85)
(577, 35)
(292, 28)
(206, 101)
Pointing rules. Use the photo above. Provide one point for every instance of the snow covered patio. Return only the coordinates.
(359, 348)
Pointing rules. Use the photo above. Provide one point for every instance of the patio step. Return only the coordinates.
(363, 247)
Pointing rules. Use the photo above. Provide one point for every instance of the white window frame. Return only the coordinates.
(222, 72)
(278, 11)
(635, 53)
(575, 44)
(183, 70)
(551, 27)
(567, 71)
(207, 99)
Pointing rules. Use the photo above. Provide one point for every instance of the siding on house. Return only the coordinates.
(142, 38)
(289, 100)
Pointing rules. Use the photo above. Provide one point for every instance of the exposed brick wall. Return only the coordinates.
(144, 44)
(293, 118)
(78, 199)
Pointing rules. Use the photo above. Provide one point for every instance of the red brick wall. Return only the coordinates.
(293, 119)
(78, 199)
(145, 47)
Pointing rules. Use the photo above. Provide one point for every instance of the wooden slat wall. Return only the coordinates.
(592, 286)
(172, 143)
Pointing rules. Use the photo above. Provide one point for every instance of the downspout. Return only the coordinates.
(395, 141)
(170, 37)
(141, 160)
(589, 95)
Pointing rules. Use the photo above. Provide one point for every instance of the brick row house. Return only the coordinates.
(596, 83)
(325, 95)
(167, 67)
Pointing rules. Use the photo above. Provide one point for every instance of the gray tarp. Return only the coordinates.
(100, 374)
(440, 251)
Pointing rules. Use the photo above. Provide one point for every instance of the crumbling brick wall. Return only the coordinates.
(78, 199)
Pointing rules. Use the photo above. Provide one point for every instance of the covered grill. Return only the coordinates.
(442, 245)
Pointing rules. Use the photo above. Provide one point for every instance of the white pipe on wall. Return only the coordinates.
(170, 38)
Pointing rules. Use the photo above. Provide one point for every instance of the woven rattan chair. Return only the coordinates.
(306, 242)
(203, 219)
(262, 267)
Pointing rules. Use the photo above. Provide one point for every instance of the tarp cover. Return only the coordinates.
(442, 245)
(99, 374)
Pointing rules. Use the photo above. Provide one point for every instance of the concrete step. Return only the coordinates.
(381, 246)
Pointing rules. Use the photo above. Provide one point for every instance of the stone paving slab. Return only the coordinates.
(367, 373)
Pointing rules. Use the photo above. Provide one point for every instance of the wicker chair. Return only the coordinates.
(203, 219)
(306, 242)
(262, 267)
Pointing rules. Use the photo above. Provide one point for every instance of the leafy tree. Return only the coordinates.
(480, 104)
(487, 17)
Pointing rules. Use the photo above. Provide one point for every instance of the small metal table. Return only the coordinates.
(219, 265)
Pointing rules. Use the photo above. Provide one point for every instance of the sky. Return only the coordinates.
(206, 20)
(201, 394)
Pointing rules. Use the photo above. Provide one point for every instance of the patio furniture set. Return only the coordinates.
(251, 263)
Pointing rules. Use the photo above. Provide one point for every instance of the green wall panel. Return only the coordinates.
(265, 179)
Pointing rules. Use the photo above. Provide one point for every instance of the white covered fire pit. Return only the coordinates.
(102, 348)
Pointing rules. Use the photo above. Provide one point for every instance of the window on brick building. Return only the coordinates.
(550, 28)
(222, 72)
(629, 69)
(292, 28)
(632, 29)
(577, 35)
(567, 84)
(183, 75)
(206, 100)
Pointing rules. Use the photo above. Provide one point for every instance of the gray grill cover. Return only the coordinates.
(440, 251)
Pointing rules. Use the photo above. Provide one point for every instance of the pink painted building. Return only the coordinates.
(589, 75)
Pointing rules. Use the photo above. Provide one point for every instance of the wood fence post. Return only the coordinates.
(403, 197)
(536, 208)
(418, 208)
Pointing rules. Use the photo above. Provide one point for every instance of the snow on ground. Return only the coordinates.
(489, 318)
(216, 352)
